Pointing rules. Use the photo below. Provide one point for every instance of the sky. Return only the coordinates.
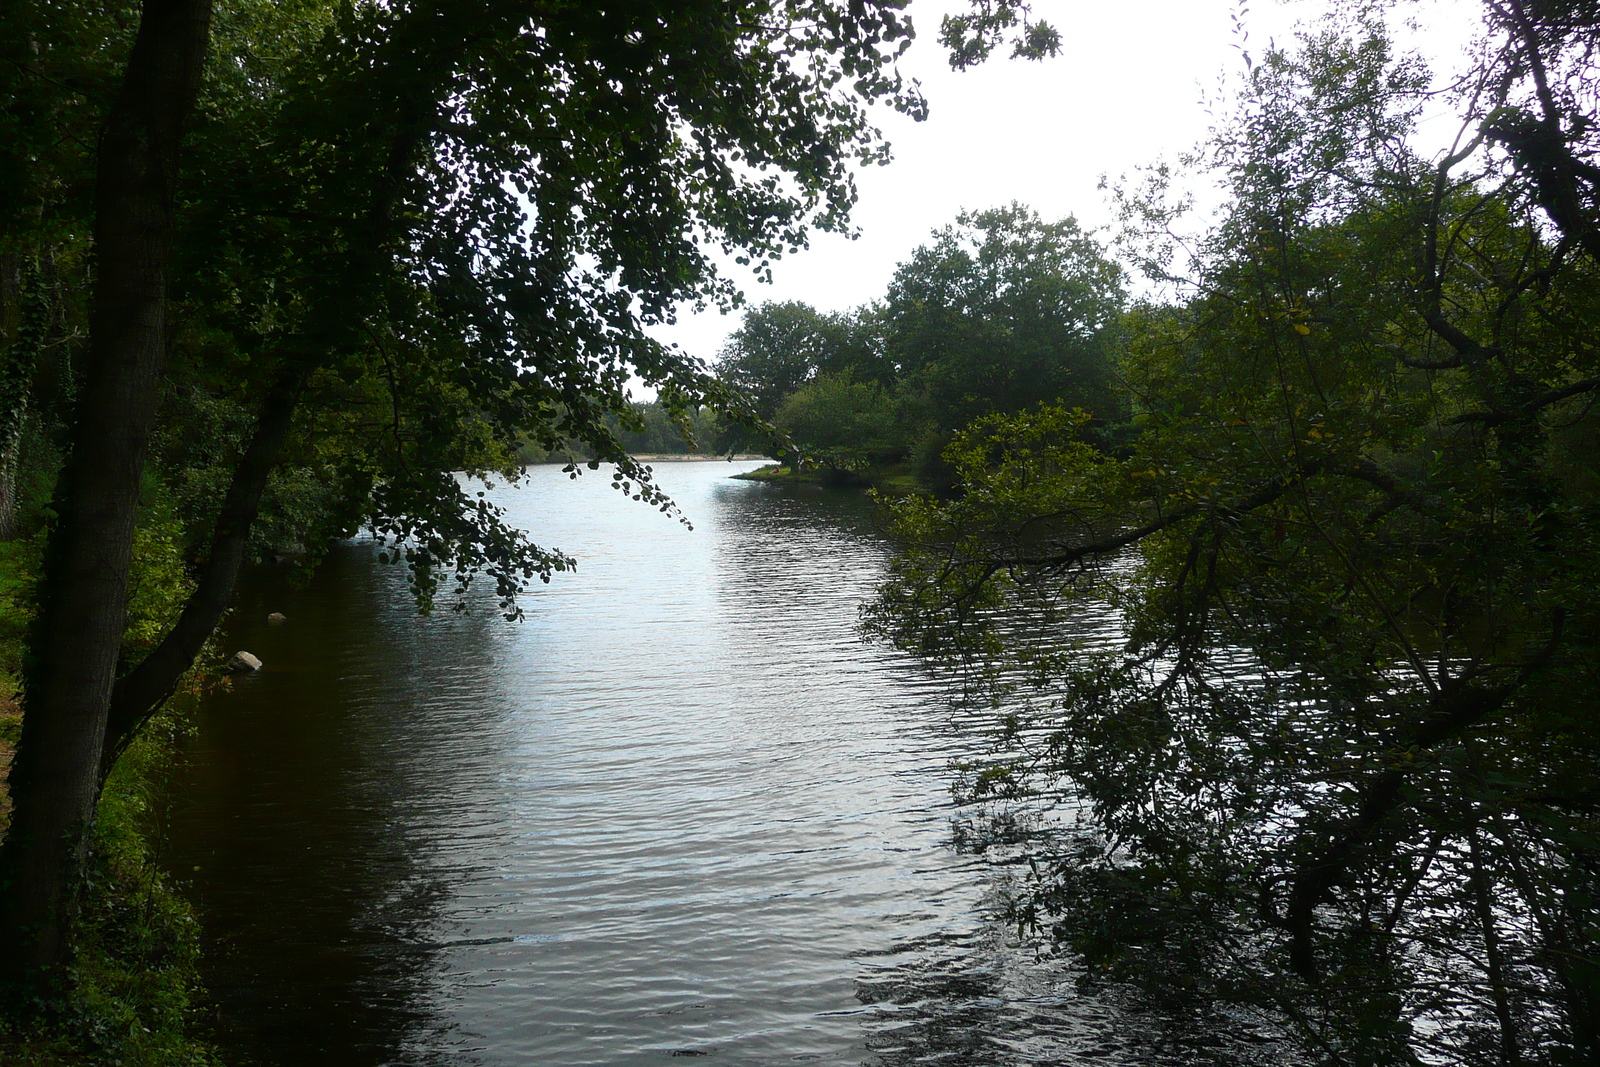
(1129, 89)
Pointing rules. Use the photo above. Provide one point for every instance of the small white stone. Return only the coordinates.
(243, 663)
(277, 618)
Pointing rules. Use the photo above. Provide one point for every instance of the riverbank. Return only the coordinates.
(135, 997)
(894, 479)
(694, 457)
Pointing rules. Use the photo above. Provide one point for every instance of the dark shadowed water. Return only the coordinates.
(681, 810)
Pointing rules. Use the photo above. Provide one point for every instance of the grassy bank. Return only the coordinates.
(133, 996)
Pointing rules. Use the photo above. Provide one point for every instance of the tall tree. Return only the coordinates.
(781, 348)
(1003, 311)
(55, 778)
(777, 348)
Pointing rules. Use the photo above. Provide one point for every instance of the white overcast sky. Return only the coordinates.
(1127, 90)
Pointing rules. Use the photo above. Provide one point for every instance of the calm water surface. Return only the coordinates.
(680, 810)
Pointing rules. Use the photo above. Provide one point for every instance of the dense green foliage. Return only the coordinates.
(1000, 312)
(846, 425)
(1338, 759)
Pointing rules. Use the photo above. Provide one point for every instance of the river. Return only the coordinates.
(680, 810)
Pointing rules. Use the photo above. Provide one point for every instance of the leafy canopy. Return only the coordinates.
(1335, 758)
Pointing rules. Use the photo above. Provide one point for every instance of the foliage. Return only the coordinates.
(780, 349)
(971, 36)
(160, 586)
(777, 348)
(654, 431)
(1000, 312)
(1003, 311)
(134, 997)
(844, 424)
(1340, 763)
(135, 994)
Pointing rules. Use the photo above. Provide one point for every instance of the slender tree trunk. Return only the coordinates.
(1494, 957)
(78, 635)
(12, 343)
(23, 325)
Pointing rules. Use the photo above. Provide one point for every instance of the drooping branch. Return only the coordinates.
(1532, 405)
(1071, 555)
(1458, 707)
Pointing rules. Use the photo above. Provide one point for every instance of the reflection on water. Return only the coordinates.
(681, 810)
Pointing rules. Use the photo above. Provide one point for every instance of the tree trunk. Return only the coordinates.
(12, 343)
(78, 635)
(23, 325)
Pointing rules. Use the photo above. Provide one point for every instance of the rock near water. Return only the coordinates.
(243, 663)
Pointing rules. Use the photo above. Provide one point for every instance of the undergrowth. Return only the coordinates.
(133, 995)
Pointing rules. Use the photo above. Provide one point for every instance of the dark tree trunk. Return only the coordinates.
(78, 635)
(23, 325)
(12, 342)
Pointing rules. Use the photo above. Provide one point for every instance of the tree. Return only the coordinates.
(398, 239)
(1341, 761)
(56, 775)
(844, 424)
(782, 348)
(1003, 311)
(1000, 312)
(777, 348)
(657, 431)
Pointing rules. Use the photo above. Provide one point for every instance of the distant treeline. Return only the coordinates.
(1002, 311)
(654, 431)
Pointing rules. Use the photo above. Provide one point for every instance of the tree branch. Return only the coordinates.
(1260, 498)
(1459, 706)
(1528, 407)
(141, 692)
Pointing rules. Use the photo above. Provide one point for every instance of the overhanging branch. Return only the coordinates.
(139, 693)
